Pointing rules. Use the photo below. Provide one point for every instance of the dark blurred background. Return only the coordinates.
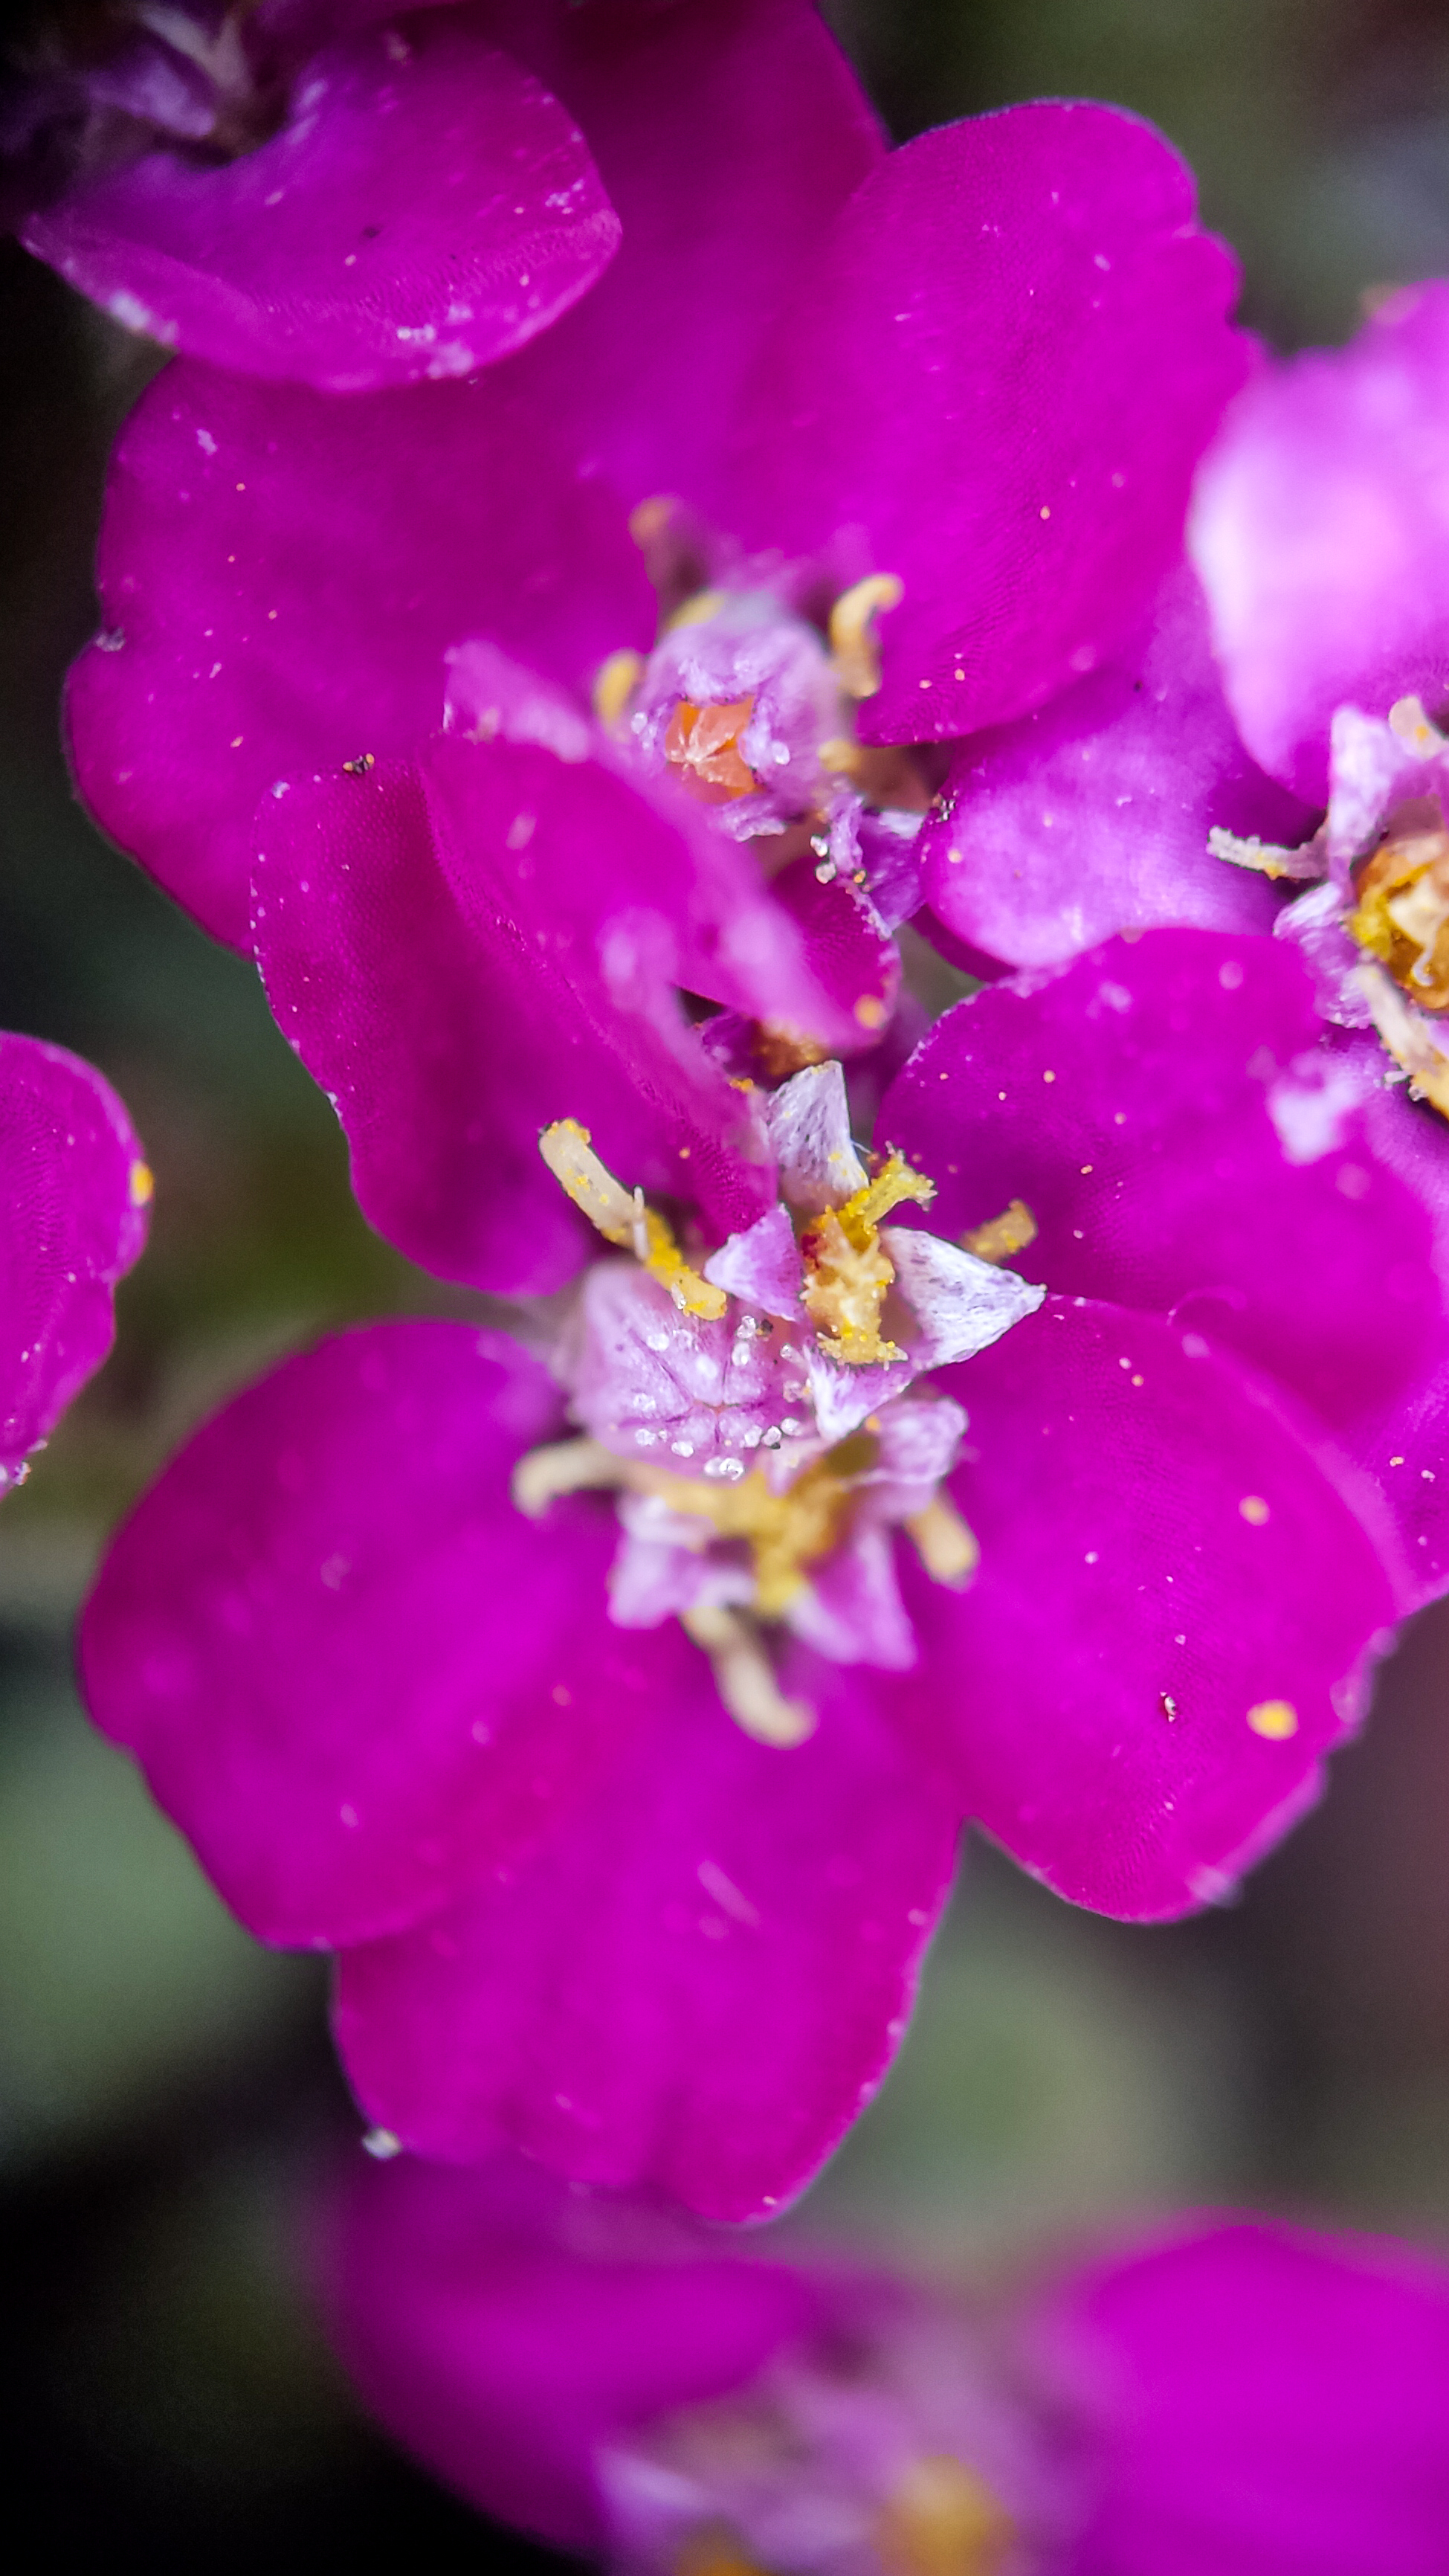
(167, 2095)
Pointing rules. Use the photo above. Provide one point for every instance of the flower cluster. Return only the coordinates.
(580, 591)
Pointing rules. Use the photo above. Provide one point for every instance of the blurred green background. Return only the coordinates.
(166, 2089)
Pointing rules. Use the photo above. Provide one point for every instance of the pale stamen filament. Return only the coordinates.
(543, 1476)
(948, 1549)
(745, 1677)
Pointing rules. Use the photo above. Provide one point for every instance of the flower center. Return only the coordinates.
(1402, 911)
(943, 2520)
(703, 744)
(761, 1435)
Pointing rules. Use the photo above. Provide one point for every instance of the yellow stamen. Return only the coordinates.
(697, 610)
(943, 2520)
(142, 1184)
(625, 1220)
(1408, 1035)
(949, 1551)
(853, 640)
(1402, 914)
(745, 1679)
(703, 744)
(617, 680)
(1003, 1236)
(847, 1272)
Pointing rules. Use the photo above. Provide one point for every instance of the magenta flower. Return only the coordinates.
(74, 1190)
(616, 1718)
(1238, 2394)
(300, 190)
(1318, 530)
(865, 378)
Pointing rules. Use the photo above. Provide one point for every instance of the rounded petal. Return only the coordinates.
(350, 1670)
(1171, 1621)
(281, 576)
(997, 380)
(74, 1189)
(1275, 2402)
(426, 207)
(457, 979)
(1165, 1109)
(1093, 815)
(504, 2327)
(696, 1985)
(1320, 529)
(729, 136)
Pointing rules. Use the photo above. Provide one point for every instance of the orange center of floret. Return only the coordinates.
(702, 743)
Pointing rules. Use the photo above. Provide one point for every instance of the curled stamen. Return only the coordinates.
(1407, 1036)
(852, 632)
(745, 1678)
(542, 1476)
(621, 1217)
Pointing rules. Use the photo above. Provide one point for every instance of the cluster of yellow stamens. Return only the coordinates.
(847, 1270)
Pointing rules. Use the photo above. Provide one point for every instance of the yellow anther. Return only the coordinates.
(852, 632)
(949, 1551)
(1402, 913)
(943, 2520)
(1003, 1236)
(142, 1184)
(623, 1218)
(893, 1185)
(1408, 1035)
(697, 610)
(617, 680)
(847, 1272)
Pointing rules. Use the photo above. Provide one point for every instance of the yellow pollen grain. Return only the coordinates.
(1274, 1719)
(870, 1010)
(623, 1218)
(142, 1184)
(853, 643)
(1254, 1510)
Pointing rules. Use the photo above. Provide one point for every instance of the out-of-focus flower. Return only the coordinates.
(936, 410)
(74, 1192)
(426, 1682)
(1236, 2395)
(350, 193)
